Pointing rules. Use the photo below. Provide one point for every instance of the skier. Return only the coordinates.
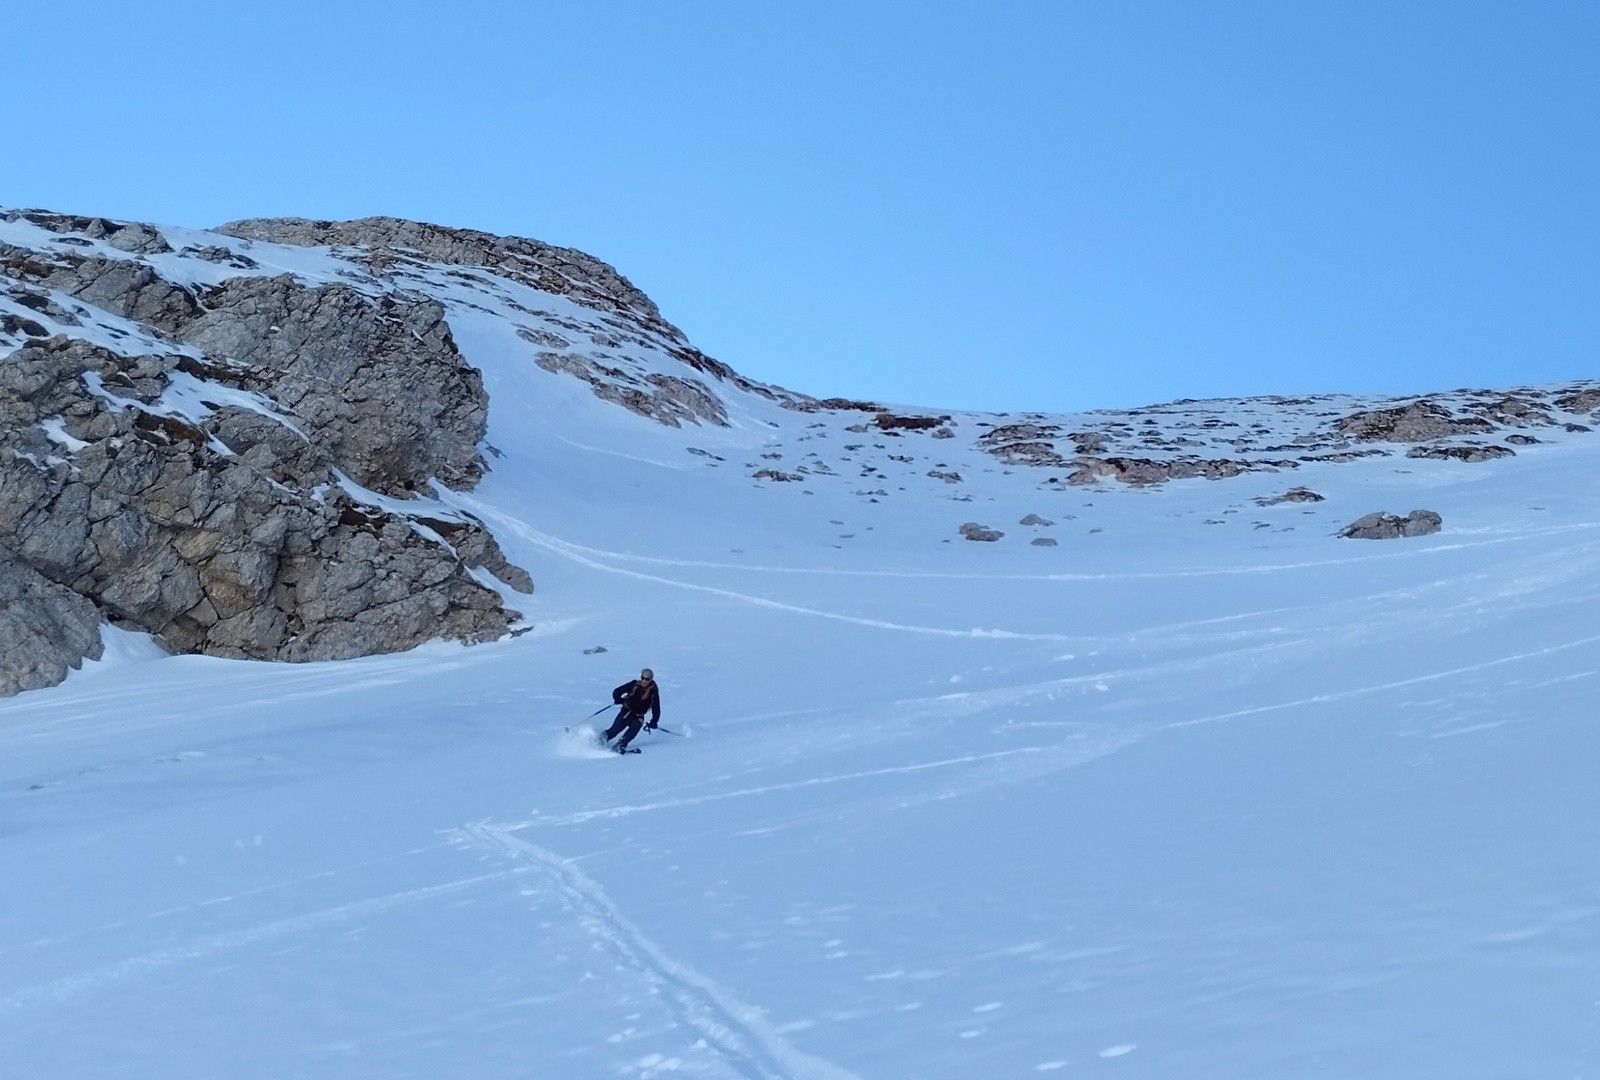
(636, 697)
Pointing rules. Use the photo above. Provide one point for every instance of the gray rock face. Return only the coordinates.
(564, 271)
(126, 236)
(233, 535)
(1381, 526)
(379, 385)
(45, 629)
(154, 520)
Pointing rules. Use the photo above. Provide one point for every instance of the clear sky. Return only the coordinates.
(1053, 205)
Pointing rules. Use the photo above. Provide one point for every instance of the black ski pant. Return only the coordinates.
(625, 719)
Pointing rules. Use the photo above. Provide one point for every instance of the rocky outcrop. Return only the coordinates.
(1293, 495)
(1140, 471)
(377, 384)
(1464, 452)
(46, 629)
(564, 271)
(668, 399)
(1416, 422)
(887, 421)
(128, 236)
(1381, 526)
(1512, 411)
(165, 526)
(1581, 401)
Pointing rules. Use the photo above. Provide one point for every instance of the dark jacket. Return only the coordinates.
(637, 696)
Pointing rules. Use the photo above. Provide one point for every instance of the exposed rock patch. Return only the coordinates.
(161, 525)
(1467, 452)
(1293, 495)
(1580, 401)
(1416, 422)
(1381, 526)
(973, 531)
(46, 629)
(890, 422)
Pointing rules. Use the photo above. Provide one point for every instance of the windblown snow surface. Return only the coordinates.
(1202, 792)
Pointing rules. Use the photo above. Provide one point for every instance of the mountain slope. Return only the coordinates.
(1203, 790)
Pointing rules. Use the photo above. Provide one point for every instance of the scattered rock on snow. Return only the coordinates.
(1035, 519)
(973, 531)
(1468, 452)
(1416, 422)
(1381, 526)
(1293, 495)
(1043, 541)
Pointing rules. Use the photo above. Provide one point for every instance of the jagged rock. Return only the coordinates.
(667, 399)
(1416, 422)
(132, 237)
(1580, 401)
(1293, 495)
(347, 368)
(1469, 452)
(1381, 526)
(124, 286)
(46, 629)
(594, 650)
(1038, 454)
(563, 271)
(1512, 411)
(973, 531)
(890, 422)
(150, 518)
(946, 475)
(776, 474)
(1141, 471)
(1521, 440)
(1575, 428)
(1035, 519)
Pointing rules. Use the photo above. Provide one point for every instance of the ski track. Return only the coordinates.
(575, 554)
(743, 793)
(1343, 695)
(572, 548)
(71, 985)
(739, 1033)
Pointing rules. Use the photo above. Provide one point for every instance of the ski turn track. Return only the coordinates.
(737, 1032)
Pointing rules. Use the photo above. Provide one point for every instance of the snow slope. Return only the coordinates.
(1201, 792)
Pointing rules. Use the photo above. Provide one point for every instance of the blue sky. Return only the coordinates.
(1003, 205)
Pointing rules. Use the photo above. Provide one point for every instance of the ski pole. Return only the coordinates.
(591, 716)
(669, 731)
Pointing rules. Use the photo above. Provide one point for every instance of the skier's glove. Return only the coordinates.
(652, 724)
